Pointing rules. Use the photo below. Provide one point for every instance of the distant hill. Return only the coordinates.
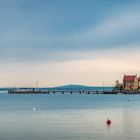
(81, 87)
(73, 87)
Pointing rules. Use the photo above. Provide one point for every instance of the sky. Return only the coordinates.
(60, 42)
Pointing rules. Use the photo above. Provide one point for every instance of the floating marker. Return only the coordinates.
(108, 122)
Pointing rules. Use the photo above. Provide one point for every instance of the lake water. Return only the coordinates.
(69, 117)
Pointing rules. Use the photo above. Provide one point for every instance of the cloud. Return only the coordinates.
(21, 45)
(121, 22)
(119, 29)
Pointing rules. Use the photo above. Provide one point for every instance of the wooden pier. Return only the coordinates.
(56, 91)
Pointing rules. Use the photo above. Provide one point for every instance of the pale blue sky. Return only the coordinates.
(51, 33)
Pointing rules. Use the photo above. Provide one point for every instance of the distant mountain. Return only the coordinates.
(81, 87)
(74, 87)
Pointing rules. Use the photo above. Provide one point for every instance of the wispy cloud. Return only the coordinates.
(121, 27)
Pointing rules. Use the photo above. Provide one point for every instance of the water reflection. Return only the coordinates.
(131, 123)
(54, 119)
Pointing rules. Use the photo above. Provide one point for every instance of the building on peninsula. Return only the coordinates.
(130, 82)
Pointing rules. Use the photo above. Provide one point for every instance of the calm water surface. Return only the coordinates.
(69, 117)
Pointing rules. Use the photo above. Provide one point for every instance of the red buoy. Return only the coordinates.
(108, 122)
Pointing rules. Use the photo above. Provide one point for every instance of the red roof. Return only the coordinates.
(129, 78)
